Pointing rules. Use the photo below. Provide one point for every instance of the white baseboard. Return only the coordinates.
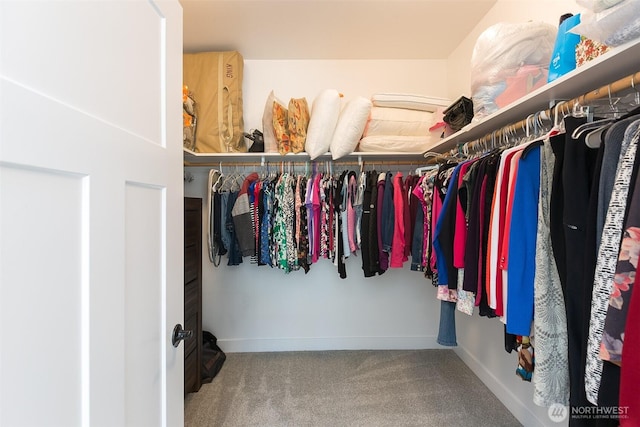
(248, 345)
(521, 410)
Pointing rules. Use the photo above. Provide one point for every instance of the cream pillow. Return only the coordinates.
(409, 101)
(351, 124)
(398, 144)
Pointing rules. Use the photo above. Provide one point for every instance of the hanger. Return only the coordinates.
(538, 139)
(424, 169)
(558, 125)
(438, 157)
(593, 139)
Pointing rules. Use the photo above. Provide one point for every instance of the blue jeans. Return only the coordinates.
(447, 329)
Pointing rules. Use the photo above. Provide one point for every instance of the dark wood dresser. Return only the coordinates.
(192, 292)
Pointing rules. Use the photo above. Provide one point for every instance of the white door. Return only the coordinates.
(90, 213)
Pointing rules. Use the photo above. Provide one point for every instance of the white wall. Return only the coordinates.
(297, 79)
(251, 308)
(481, 340)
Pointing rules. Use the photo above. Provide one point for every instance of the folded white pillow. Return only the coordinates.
(408, 101)
(398, 144)
(322, 123)
(398, 121)
(350, 127)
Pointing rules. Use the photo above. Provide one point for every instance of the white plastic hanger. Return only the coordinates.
(424, 169)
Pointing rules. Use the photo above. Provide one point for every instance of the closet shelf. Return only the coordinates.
(601, 71)
(210, 159)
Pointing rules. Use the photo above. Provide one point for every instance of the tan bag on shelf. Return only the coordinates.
(215, 80)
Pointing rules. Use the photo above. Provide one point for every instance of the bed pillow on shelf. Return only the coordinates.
(350, 127)
(325, 111)
(408, 101)
(281, 127)
(298, 117)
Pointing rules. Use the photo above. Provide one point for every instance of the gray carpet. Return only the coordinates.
(346, 388)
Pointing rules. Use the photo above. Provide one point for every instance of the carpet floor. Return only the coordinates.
(346, 388)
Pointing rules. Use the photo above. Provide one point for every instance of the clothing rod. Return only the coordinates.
(336, 163)
(629, 82)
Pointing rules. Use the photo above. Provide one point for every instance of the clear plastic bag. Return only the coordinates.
(508, 61)
(612, 27)
(597, 5)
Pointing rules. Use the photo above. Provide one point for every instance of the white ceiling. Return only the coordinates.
(331, 29)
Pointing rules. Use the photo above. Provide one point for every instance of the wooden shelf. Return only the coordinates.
(616, 64)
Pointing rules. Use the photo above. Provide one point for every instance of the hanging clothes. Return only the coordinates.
(398, 241)
(267, 223)
(235, 252)
(352, 189)
(626, 269)
(242, 218)
(630, 374)
(358, 205)
(316, 205)
(607, 257)
(338, 237)
(551, 375)
(326, 217)
(302, 230)
(523, 230)
(215, 245)
(388, 215)
(383, 218)
(420, 228)
(369, 232)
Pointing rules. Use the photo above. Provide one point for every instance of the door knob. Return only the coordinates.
(179, 334)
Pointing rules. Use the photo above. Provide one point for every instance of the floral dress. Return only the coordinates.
(615, 322)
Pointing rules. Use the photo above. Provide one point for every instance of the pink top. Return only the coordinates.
(504, 255)
(436, 209)
(397, 247)
(316, 217)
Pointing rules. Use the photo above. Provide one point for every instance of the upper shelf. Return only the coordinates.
(209, 159)
(614, 65)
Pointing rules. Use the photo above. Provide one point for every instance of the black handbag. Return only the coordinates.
(459, 114)
(258, 141)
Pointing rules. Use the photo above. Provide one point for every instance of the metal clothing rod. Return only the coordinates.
(629, 82)
(336, 163)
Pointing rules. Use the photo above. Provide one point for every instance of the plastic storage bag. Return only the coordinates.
(508, 61)
(612, 27)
